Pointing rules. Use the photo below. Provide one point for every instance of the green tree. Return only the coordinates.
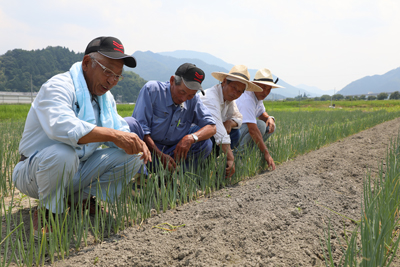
(371, 97)
(361, 97)
(382, 96)
(395, 95)
(337, 97)
(325, 97)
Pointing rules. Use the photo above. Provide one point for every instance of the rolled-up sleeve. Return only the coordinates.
(213, 105)
(234, 114)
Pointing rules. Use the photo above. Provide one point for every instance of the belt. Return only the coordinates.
(22, 158)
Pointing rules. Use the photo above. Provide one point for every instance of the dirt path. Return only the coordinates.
(274, 219)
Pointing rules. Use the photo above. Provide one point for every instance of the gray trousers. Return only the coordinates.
(245, 137)
(48, 174)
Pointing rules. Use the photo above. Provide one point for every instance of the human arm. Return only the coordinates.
(129, 142)
(183, 147)
(166, 160)
(230, 160)
(258, 139)
(229, 124)
(269, 121)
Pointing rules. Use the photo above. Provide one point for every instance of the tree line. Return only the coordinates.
(18, 67)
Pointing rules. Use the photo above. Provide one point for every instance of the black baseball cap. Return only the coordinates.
(110, 47)
(192, 76)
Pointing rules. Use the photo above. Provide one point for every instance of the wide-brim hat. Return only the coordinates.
(110, 47)
(264, 76)
(238, 72)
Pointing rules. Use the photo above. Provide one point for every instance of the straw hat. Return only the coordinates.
(238, 73)
(264, 76)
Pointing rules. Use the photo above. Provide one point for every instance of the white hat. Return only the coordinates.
(238, 73)
(264, 76)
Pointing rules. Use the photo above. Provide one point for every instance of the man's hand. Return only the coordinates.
(132, 144)
(269, 160)
(183, 147)
(168, 162)
(271, 123)
(230, 168)
(229, 124)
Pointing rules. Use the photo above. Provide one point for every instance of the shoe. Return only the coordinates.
(45, 224)
(90, 205)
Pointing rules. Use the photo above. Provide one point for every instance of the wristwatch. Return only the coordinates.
(195, 137)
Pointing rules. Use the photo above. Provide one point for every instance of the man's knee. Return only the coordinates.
(135, 126)
(61, 155)
(261, 126)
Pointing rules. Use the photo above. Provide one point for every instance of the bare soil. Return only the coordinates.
(273, 219)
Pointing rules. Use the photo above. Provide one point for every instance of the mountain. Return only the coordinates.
(154, 66)
(315, 91)
(388, 82)
(160, 66)
(206, 57)
(18, 66)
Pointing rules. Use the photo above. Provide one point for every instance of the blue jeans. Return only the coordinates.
(235, 137)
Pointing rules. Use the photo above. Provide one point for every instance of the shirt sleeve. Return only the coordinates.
(260, 109)
(212, 103)
(54, 109)
(235, 115)
(247, 109)
(143, 111)
(202, 116)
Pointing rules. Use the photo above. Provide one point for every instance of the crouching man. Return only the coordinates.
(251, 105)
(166, 112)
(73, 114)
(220, 100)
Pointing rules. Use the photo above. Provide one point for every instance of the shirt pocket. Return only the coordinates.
(159, 116)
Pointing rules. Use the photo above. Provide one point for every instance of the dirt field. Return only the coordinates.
(273, 219)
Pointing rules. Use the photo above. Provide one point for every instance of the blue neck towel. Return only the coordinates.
(108, 115)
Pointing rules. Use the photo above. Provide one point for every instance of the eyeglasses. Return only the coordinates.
(109, 73)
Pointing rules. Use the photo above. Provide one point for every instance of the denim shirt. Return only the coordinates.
(165, 122)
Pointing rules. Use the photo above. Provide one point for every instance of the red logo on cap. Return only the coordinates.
(199, 77)
(118, 46)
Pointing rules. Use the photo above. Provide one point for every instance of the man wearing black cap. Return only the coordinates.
(73, 114)
(166, 111)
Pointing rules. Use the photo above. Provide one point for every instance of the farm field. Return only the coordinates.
(275, 218)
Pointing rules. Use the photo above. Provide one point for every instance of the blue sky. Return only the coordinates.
(326, 44)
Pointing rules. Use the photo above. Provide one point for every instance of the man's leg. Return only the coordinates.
(246, 139)
(235, 137)
(266, 135)
(107, 170)
(46, 175)
(135, 126)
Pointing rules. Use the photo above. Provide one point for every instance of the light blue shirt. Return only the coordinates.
(53, 119)
(165, 122)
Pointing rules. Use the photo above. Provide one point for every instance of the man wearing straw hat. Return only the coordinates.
(220, 100)
(251, 105)
(166, 112)
(72, 116)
